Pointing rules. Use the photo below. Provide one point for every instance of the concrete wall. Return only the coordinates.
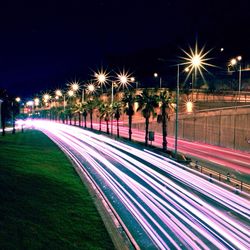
(226, 127)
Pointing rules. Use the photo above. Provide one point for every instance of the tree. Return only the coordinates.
(5, 108)
(116, 111)
(147, 102)
(106, 116)
(4, 99)
(164, 100)
(79, 109)
(90, 106)
(101, 111)
(69, 114)
(128, 101)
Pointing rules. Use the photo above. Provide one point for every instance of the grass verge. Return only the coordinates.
(44, 204)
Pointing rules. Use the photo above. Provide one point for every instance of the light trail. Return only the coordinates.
(230, 158)
(163, 205)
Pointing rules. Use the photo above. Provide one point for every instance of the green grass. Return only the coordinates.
(43, 203)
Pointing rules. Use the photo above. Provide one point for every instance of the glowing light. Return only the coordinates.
(58, 92)
(189, 106)
(132, 79)
(233, 61)
(158, 202)
(101, 77)
(239, 58)
(91, 87)
(18, 99)
(30, 103)
(196, 60)
(123, 79)
(74, 86)
(70, 93)
(37, 101)
(46, 97)
(155, 75)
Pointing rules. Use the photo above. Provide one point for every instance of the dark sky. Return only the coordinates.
(45, 44)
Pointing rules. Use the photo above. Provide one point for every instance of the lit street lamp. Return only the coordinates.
(234, 62)
(121, 79)
(17, 99)
(156, 75)
(176, 110)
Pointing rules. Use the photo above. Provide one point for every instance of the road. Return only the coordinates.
(163, 205)
(237, 160)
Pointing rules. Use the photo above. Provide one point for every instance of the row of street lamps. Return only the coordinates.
(195, 61)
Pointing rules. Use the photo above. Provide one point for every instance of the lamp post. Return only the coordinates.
(195, 62)
(156, 75)
(121, 79)
(176, 110)
(59, 93)
(17, 99)
(234, 62)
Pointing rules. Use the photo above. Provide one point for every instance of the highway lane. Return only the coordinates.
(163, 205)
(230, 158)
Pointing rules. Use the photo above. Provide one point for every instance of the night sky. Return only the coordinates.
(45, 44)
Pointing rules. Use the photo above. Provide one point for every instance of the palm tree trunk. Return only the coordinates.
(146, 134)
(70, 120)
(85, 121)
(79, 119)
(3, 120)
(107, 124)
(164, 128)
(130, 127)
(100, 124)
(91, 120)
(117, 126)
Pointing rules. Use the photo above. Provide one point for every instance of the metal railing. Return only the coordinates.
(224, 178)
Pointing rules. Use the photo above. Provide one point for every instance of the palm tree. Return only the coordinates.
(116, 111)
(5, 108)
(79, 109)
(106, 115)
(128, 101)
(69, 114)
(90, 106)
(164, 100)
(147, 102)
(101, 111)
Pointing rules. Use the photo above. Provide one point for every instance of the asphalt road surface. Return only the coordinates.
(163, 205)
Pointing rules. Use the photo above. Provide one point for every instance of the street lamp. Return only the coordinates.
(59, 94)
(176, 109)
(234, 62)
(36, 101)
(17, 99)
(31, 104)
(120, 79)
(156, 75)
(196, 60)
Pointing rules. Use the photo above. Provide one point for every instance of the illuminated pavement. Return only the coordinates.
(163, 205)
(237, 160)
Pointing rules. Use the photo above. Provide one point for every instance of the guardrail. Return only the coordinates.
(227, 179)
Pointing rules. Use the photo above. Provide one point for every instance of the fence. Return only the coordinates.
(227, 179)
